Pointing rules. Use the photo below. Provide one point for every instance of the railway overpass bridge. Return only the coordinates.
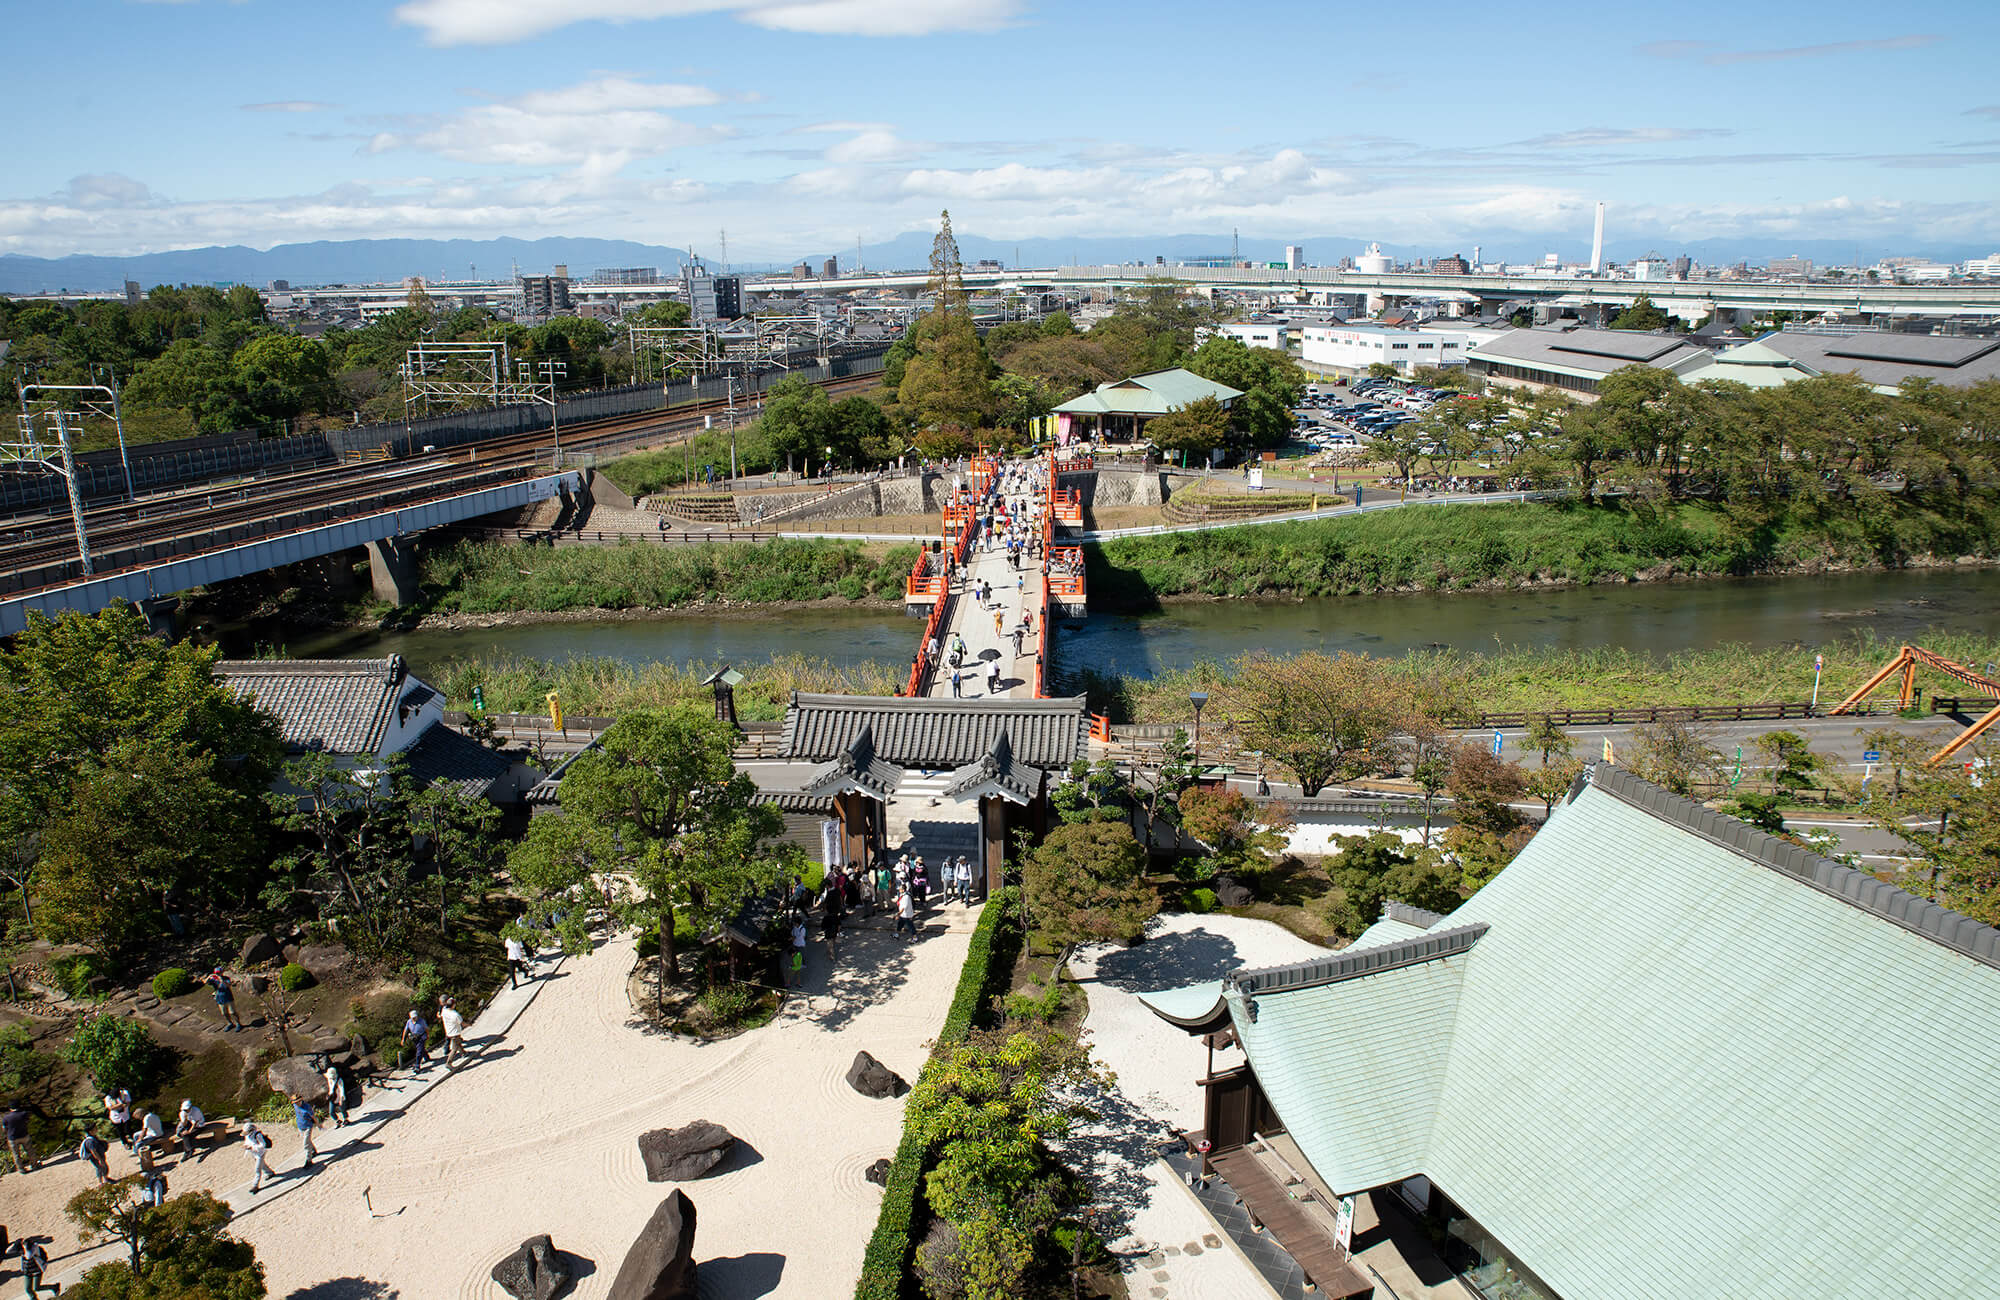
(383, 521)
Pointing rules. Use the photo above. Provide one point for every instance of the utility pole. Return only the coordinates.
(75, 496)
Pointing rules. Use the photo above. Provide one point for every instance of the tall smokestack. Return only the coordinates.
(1597, 243)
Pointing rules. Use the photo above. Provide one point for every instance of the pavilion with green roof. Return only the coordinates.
(1120, 410)
(1661, 1054)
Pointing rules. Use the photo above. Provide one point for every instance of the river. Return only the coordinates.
(1657, 617)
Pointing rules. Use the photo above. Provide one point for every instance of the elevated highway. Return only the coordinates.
(1684, 297)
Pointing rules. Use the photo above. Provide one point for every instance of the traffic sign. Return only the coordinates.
(1496, 741)
(1871, 755)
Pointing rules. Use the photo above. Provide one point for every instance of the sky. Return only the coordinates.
(803, 125)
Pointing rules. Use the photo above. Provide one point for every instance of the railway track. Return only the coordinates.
(307, 498)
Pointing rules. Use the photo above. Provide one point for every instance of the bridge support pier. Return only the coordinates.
(160, 620)
(392, 570)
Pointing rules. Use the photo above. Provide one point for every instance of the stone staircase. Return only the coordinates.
(695, 507)
(922, 822)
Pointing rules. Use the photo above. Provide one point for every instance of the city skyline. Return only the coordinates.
(810, 125)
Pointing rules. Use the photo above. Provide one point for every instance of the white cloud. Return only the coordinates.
(886, 17)
(596, 128)
(881, 146)
(501, 22)
(107, 190)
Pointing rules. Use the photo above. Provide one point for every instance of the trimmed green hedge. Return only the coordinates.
(990, 956)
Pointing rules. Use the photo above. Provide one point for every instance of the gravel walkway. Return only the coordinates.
(1170, 1245)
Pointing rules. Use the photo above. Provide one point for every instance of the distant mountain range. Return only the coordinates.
(369, 261)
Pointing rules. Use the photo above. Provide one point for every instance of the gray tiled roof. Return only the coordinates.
(937, 734)
(339, 705)
(998, 767)
(1886, 360)
(856, 768)
(457, 760)
(1596, 352)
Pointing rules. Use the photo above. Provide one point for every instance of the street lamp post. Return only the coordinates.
(1198, 699)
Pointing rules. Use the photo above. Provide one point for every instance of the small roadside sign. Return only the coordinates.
(1496, 741)
(1871, 755)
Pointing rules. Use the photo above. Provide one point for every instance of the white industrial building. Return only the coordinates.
(1355, 347)
(1255, 333)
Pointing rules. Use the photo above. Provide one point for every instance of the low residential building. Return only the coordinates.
(364, 712)
(1662, 1053)
(1576, 360)
(1120, 411)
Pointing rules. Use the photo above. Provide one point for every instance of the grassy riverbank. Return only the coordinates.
(603, 687)
(1443, 548)
(489, 577)
(1535, 679)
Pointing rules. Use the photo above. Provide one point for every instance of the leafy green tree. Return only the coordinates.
(660, 315)
(1198, 428)
(1085, 883)
(1641, 315)
(80, 685)
(1058, 325)
(990, 1107)
(1381, 370)
(457, 835)
(563, 868)
(1793, 764)
(189, 376)
(798, 419)
(1093, 792)
(282, 376)
(1376, 868)
(692, 834)
(115, 1052)
(1065, 365)
(1325, 718)
(1949, 819)
(1018, 400)
(949, 380)
(1674, 754)
(1270, 382)
(1241, 839)
(355, 859)
(147, 821)
(181, 1250)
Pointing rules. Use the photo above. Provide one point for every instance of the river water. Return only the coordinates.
(1657, 617)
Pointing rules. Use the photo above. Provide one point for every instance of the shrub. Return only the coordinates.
(172, 983)
(725, 1004)
(74, 972)
(989, 959)
(1199, 901)
(117, 1053)
(20, 1063)
(294, 977)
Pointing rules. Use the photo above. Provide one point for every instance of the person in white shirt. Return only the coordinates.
(517, 961)
(118, 1109)
(454, 1031)
(188, 1127)
(259, 1147)
(336, 1095)
(151, 1128)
